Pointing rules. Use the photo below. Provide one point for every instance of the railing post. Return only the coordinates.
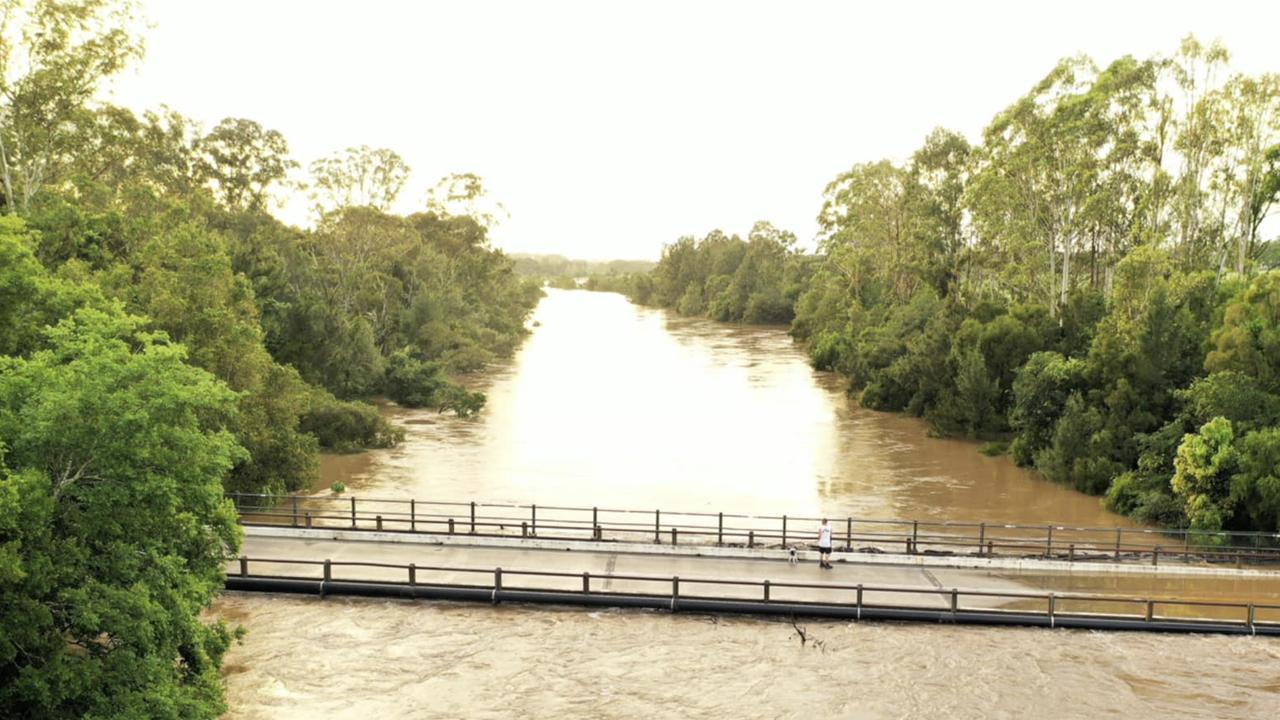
(413, 515)
(674, 536)
(751, 539)
(379, 521)
(915, 534)
(595, 516)
(244, 566)
(982, 536)
(1071, 552)
(413, 574)
(1048, 543)
(955, 600)
(328, 570)
(784, 531)
(533, 520)
(766, 591)
(497, 584)
(450, 526)
(1151, 609)
(598, 533)
(1118, 532)
(524, 529)
(295, 511)
(473, 517)
(675, 592)
(1155, 555)
(657, 527)
(1250, 616)
(1053, 602)
(586, 583)
(859, 601)
(848, 535)
(308, 519)
(353, 512)
(720, 530)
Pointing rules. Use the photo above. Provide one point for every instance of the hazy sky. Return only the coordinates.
(607, 128)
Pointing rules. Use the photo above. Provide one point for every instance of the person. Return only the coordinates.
(824, 545)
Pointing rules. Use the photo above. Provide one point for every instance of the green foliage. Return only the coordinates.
(1256, 487)
(756, 281)
(99, 609)
(347, 426)
(994, 448)
(1202, 477)
(1076, 454)
(1249, 339)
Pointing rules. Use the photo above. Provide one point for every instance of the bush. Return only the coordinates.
(994, 448)
(348, 426)
(414, 382)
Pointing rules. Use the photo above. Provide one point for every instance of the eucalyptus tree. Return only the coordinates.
(939, 171)
(868, 228)
(358, 177)
(1034, 174)
(1196, 70)
(54, 56)
(240, 160)
(1250, 109)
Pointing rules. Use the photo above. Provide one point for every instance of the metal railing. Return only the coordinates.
(850, 534)
(855, 601)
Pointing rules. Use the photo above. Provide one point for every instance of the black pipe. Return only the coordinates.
(476, 593)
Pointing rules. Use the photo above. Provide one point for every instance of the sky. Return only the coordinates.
(608, 129)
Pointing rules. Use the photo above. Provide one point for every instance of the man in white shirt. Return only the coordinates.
(824, 545)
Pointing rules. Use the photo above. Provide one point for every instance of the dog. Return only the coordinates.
(792, 557)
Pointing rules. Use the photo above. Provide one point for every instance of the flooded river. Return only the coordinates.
(615, 405)
(611, 404)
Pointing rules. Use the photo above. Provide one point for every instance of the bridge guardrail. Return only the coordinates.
(766, 596)
(850, 534)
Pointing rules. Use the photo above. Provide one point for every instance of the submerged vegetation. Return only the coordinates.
(1089, 284)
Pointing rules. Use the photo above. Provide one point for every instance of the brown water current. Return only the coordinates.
(308, 658)
(615, 405)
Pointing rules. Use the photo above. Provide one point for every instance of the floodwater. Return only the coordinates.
(336, 658)
(614, 405)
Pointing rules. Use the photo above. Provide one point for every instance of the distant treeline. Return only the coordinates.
(1089, 284)
(547, 267)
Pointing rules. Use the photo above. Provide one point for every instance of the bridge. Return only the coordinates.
(976, 573)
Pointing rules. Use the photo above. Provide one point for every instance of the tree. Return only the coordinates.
(464, 194)
(1257, 485)
(1248, 340)
(53, 57)
(242, 160)
(100, 608)
(1202, 474)
(356, 177)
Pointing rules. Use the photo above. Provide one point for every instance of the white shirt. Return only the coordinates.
(824, 536)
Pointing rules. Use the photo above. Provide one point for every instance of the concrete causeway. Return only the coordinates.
(916, 580)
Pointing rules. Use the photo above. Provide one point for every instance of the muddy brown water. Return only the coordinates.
(611, 404)
(616, 405)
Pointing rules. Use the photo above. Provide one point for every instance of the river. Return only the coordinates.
(612, 404)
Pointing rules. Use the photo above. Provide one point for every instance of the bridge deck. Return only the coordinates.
(911, 585)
